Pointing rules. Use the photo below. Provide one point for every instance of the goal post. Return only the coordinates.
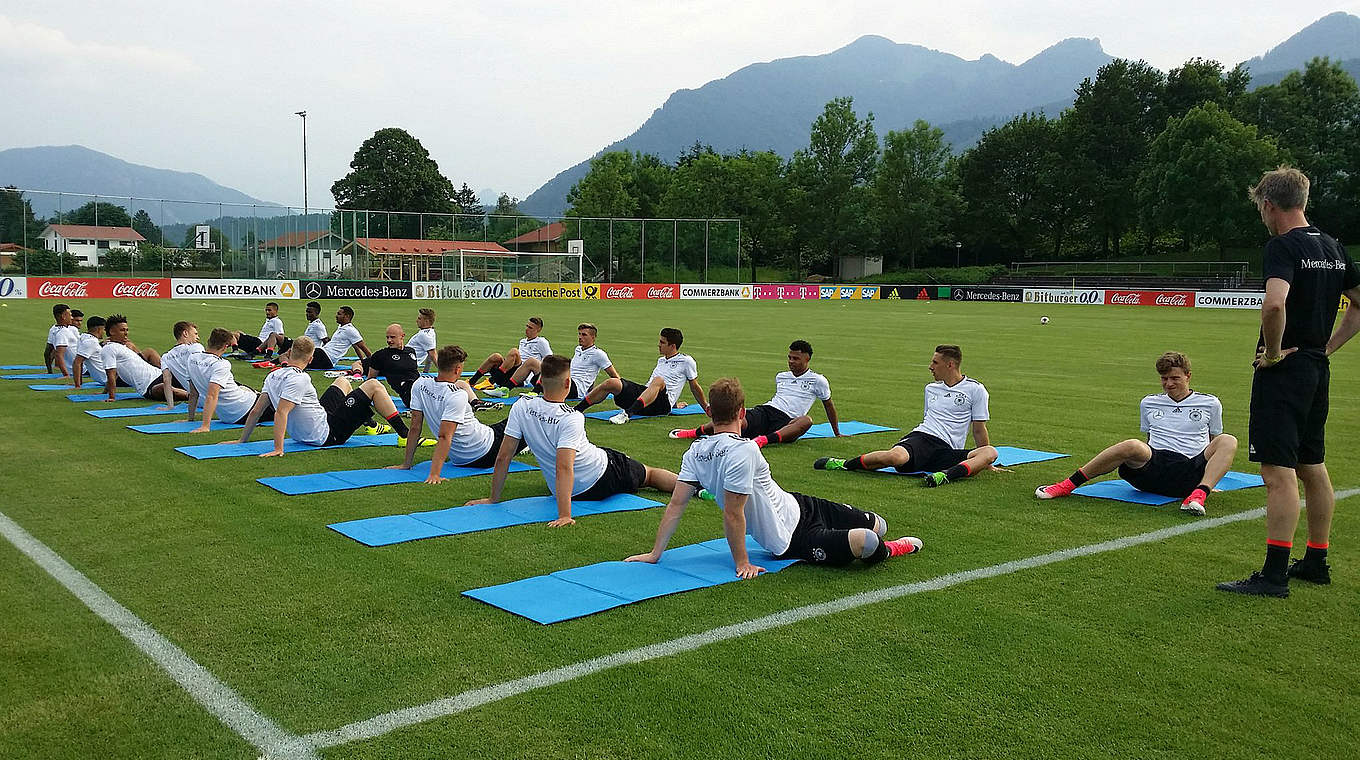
(486, 265)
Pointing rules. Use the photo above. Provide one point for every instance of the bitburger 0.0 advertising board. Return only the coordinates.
(461, 291)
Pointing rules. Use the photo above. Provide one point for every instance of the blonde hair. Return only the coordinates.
(303, 348)
(1286, 188)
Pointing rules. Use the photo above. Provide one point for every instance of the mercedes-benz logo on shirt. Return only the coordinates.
(313, 290)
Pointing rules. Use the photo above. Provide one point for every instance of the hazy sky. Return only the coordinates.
(503, 95)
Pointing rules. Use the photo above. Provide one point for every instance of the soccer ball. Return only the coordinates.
(1043, 320)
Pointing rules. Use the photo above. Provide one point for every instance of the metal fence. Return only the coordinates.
(262, 241)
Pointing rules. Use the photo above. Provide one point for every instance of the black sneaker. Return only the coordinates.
(1313, 572)
(1256, 585)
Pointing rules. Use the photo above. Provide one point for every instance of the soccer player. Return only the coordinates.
(300, 415)
(346, 336)
(271, 333)
(573, 467)
(89, 353)
(953, 404)
(211, 380)
(1306, 271)
(785, 417)
(662, 391)
(175, 362)
(423, 343)
(396, 362)
(444, 404)
(504, 371)
(62, 336)
(788, 525)
(139, 369)
(1186, 452)
(316, 329)
(588, 361)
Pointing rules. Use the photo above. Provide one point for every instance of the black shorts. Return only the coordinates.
(928, 453)
(267, 416)
(320, 359)
(489, 458)
(621, 475)
(1169, 473)
(345, 413)
(249, 343)
(763, 420)
(823, 532)
(628, 395)
(403, 389)
(1289, 405)
(501, 377)
(573, 392)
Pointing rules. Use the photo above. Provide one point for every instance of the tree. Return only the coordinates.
(141, 221)
(471, 213)
(1201, 81)
(747, 185)
(829, 185)
(1112, 121)
(18, 224)
(153, 257)
(603, 192)
(101, 213)
(392, 171)
(1195, 174)
(43, 261)
(913, 191)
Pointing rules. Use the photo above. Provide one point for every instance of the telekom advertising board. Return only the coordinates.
(787, 292)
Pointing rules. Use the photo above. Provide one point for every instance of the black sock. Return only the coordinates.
(773, 437)
(636, 408)
(855, 464)
(1277, 563)
(1078, 477)
(1207, 489)
(957, 472)
(1315, 554)
(398, 424)
(476, 376)
(582, 405)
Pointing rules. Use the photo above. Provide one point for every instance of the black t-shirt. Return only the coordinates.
(398, 365)
(1317, 270)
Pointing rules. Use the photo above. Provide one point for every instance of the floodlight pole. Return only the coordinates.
(305, 208)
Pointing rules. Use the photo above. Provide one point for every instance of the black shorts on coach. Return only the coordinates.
(822, 535)
(622, 475)
(928, 453)
(1168, 473)
(1289, 411)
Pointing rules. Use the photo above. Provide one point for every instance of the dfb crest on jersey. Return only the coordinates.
(959, 400)
(349, 401)
(818, 554)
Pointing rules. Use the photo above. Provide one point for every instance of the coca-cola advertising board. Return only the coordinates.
(69, 288)
(13, 287)
(1150, 297)
(637, 290)
(788, 292)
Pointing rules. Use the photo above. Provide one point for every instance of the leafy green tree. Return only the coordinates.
(830, 198)
(1112, 122)
(469, 223)
(604, 191)
(1195, 174)
(43, 261)
(18, 224)
(747, 185)
(119, 260)
(102, 213)
(392, 171)
(1201, 81)
(141, 221)
(152, 257)
(914, 192)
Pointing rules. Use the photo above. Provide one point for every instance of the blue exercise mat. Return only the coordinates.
(65, 386)
(85, 398)
(346, 480)
(1006, 456)
(8, 367)
(150, 410)
(507, 401)
(848, 427)
(396, 529)
(183, 426)
(605, 414)
(35, 376)
(1120, 490)
(255, 448)
(580, 591)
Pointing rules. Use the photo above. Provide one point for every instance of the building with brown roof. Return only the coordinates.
(87, 242)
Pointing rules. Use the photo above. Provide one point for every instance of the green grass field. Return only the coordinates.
(1128, 654)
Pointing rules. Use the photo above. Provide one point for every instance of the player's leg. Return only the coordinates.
(835, 534)
(492, 360)
(512, 360)
(1217, 456)
(1317, 488)
(897, 457)
(530, 366)
(973, 462)
(382, 402)
(1132, 452)
(597, 394)
(790, 432)
(151, 356)
(660, 478)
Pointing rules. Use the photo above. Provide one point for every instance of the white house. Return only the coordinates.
(305, 252)
(87, 242)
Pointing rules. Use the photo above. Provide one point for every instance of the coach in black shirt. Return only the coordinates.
(396, 362)
(1306, 273)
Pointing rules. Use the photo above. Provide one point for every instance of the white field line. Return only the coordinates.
(468, 700)
(215, 696)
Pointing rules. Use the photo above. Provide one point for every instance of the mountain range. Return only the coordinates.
(763, 106)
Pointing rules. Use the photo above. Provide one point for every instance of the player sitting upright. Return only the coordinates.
(346, 335)
(175, 362)
(784, 418)
(271, 333)
(508, 371)
(587, 362)
(396, 363)
(954, 403)
(138, 369)
(424, 343)
(1186, 453)
(788, 525)
(211, 381)
(89, 354)
(62, 337)
(662, 391)
(573, 467)
(300, 415)
(444, 403)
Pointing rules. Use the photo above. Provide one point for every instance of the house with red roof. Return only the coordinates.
(417, 260)
(305, 252)
(89, 243)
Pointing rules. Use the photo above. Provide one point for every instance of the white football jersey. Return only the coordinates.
(233, 401)
(535, 348)
(316, 330)
(951, 411)
(586, 365)
(131, 367)
(271, 326)
(676, 371)
(441, 402)
(307, 422)
(345, 336)
(92, 352)
(547, 427)
(421, 344)
(65, 338)
(726, 462)
(794, 394)
(177, 360)
(1185, 426)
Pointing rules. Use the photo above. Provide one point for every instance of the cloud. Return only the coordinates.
(44, 49)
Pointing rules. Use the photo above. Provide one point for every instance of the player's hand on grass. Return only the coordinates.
(434, 479)
(562, 522)
(402, 466)
(478, 501)
(274, 453)
(747, 571)
(164, 408)
(651, 557)
(203, 429)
